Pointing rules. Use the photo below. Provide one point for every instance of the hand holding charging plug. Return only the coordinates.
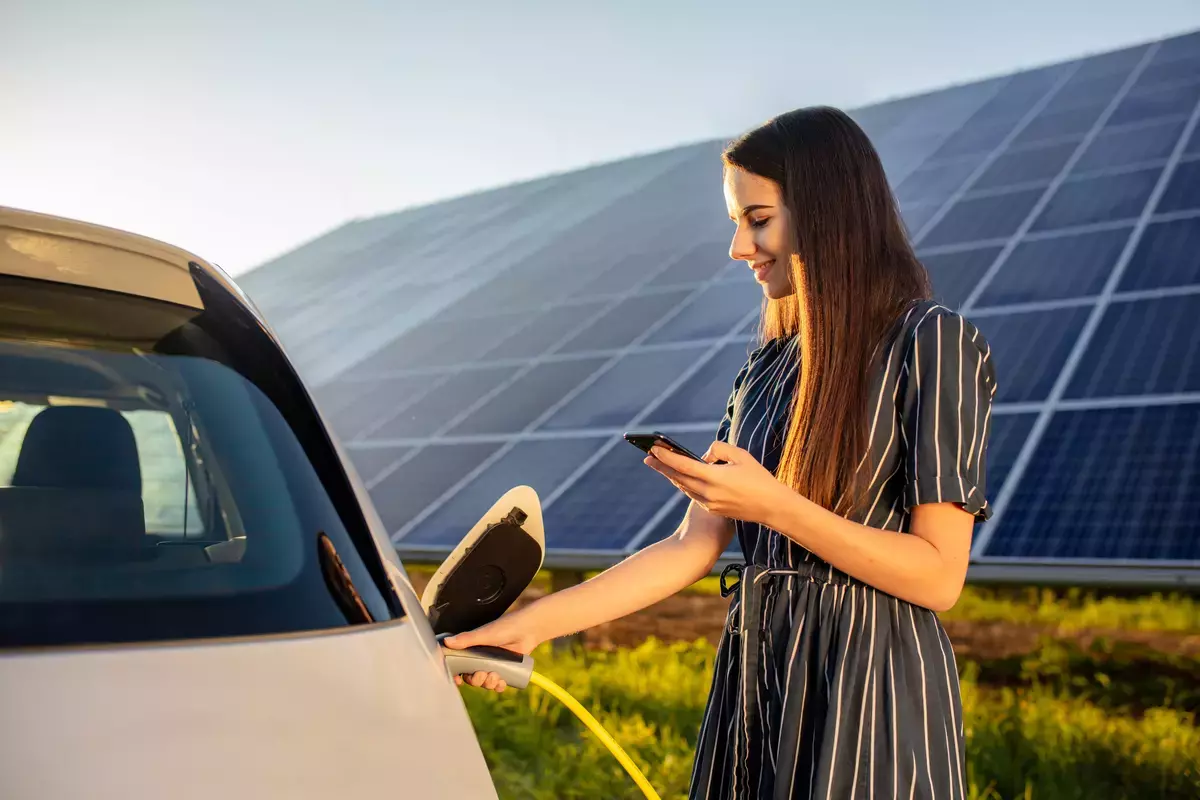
(505, 636)
(498, 666)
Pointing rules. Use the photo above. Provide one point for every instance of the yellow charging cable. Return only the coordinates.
(560, 694)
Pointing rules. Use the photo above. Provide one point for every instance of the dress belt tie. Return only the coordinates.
(746, 621)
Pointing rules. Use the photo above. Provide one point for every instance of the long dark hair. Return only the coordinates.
(855, 274)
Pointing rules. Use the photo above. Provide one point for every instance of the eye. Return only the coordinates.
(761, 222)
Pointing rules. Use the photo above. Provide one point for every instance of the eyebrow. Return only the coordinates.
(750, 209)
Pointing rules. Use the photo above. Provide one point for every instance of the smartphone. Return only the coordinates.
(644, 440)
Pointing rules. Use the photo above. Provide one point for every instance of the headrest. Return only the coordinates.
(79, 447)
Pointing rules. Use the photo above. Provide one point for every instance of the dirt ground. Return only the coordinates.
(687, 617)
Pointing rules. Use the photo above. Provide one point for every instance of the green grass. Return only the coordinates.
(1074, 609)
(1036, 739)
(1120, 677)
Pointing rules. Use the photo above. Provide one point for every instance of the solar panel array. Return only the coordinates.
(512, 336)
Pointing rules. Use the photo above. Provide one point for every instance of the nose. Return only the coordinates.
(742, 247)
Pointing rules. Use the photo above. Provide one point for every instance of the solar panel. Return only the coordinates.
(1030, 349)
(915, 215)
(1055, 268)
(712, 313)
(935, 182)
(1056, 124)
(423, 477)
(1167, 255)
(607, 506)
(1085, 90)
(1119, 147)
(1185, 46)
(354, 406)
(955, 274)
(1183, 190)
(620, 394)
(1103, 198)
(373, 461)
(450, 396)
(1116, 483)
(670, 522)
(519, 403)
(991, 216)
(617, 278)
(621, 324)
(975, 137)
(542, 464)
(1156, 101)
(1027, 165)
(546, 330)
(1057, 208)
(1193, 145)
(696, 266)
(703, 396)
(1008, 434)
(610, 502)
(1115, 62)
(1142, 347)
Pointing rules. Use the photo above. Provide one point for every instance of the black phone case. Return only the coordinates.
(644, 441)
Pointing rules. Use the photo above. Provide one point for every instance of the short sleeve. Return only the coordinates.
(945, 415)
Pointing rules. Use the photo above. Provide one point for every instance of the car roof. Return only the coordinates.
(49, 248)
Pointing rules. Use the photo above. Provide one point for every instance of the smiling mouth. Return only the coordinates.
(760, 271)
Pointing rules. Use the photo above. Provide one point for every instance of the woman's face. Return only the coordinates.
(763, 235)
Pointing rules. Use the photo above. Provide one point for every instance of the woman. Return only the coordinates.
(853, 477)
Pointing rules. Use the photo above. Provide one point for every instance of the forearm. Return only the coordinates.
(648, 576)
(901, 564)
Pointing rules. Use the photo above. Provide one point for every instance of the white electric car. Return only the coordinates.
(197, 599)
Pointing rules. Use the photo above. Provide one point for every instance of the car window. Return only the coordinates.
(163, 476)
(165, 482)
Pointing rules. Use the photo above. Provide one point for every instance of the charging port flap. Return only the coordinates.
(492, 565)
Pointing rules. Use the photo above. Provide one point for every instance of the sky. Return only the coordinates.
(239, 130)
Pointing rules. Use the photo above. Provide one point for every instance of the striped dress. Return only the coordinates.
(825, 687)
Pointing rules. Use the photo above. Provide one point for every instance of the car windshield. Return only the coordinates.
(163, 476)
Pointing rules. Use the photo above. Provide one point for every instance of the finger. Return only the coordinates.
(492, 681)
(674, 476)
(458, 680)
(677, 462)
(470, 638)
(477, 678)
(459, 640)
(501, 686)
(723, 451)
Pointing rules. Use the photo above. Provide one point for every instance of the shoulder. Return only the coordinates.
(944, 346)
(934, 328)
